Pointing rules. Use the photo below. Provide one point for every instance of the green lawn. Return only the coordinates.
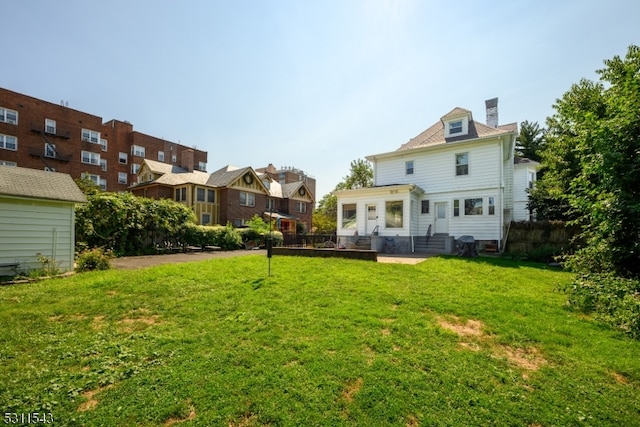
(320, 342)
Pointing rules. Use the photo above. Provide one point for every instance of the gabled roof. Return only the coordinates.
(159, 167)
(435, 134)
(37, 184)
(227, 175)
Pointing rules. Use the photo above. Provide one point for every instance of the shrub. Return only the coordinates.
(93, 259)
(615, 300)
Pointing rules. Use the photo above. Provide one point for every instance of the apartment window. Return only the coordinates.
(200, 194)
(123, 158)
(102, 182)
(50, 126)
(8, 116)
(161, 156)
(408, 167)
(122, 177)
(425, 206)
(174, 158)
(181, 194)
(135, 167)
(455, 127)
(456, 207)
(301, 207)
(91, 136)
(202, 166)
(492, 205)
(90, 158)
(211, 196)
(49, 150)
(206, 219)
(394, 214)
(103, 165)
(247, 199)
(473, 206)
(349, 215)
(103, 144)
(7, 163)
(48, 169)
(8, 142)
(462, 164)
(137, 150)
(93, 178)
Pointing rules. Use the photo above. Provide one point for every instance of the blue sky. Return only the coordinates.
(310, 84)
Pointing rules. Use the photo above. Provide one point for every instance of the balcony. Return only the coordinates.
(40, 128)
(51, 154)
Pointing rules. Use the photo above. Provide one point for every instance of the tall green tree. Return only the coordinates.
(325, 217)
(530, 141)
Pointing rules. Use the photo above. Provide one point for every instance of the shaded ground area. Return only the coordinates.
(133, 262)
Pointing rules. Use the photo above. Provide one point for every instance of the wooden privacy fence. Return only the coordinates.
(528, 236)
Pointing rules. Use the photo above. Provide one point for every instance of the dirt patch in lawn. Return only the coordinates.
(475, 338)
(191, 416)
(352, 389)
(92, 401)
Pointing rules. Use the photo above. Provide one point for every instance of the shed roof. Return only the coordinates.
(37, 184)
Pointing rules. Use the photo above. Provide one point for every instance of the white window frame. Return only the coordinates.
(180, 194)
(201, 194)
(392, 220)
(491, 210)
(48, 169)
(211, 193)
(301, 207)
(472, 208)
(123, 156)
(202, 166)
(90, 136)
(462, 169)
(409, 167)
(455, 127)
(349, 216)
(174, 158)
(5, 142)
(138, 150)
(102, 183)
(247, 199)
(49, 150)
(94, 178)
(7, 163)
(50, 126)
(202, 218)
(135, 168)
(90, 158)
(4, 116)
(161, 156)
(122, 177)
(103, 164)
(103, 144)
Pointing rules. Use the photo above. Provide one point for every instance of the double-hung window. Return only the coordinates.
(90, 158)
(455, 127)
(462, 164)
(49, 150)
(408, 166)
(50, 126)
(247, 199)
(137, 150)
(8, 142)
(91, 136)
(301, 207)
(123, 158)
(8, 116)
(200, 192)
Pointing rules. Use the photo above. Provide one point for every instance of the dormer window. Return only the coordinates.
(455, 127)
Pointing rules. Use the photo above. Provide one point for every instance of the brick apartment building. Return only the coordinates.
(289, 175)
(42, 135)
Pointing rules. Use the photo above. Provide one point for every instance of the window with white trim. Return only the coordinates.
(50, 126)
(161, 156)
(462, 164)
(8, 116)
(200, 193)
(271, 205)
(349, 215)
(137, 150)
(394, 214)
(202, 166)
(408, 167)
(90, 158)
(48, 169)
(473, 206)
(8, 142)
(174, 158)
(91, 136)
(181, 194)
(49, 150)
(94, 178)
(123, 158)
(122, 177)
(492, 205)
(301, 207)
(103, 164)
(7, 163)
(206, 219)
(211, 196)
(247, 199)
(455, 127)
(103, 184)
(456, 207)
(135, 167)
(424, 206)
(103, 144)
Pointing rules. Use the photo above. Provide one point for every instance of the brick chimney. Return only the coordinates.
(492, 112)
(187, 159)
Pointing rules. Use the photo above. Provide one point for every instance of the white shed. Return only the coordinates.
(37, 218)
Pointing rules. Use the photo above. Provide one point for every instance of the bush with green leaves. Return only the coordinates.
(226, 237)
(93, 259)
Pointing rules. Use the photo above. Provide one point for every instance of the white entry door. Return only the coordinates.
(442, 221)
(372, 218)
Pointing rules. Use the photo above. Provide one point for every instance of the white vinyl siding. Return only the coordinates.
(28, 227)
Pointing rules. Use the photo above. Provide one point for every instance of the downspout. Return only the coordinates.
(501, 192)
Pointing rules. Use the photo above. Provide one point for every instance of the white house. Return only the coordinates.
(456, 178)
(37, 217)
(525, 172)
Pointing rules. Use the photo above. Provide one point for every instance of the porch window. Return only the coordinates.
(492, 205)
(456, 207)
(425, 206)
(394, 214)
(349, 216)
(473, 206)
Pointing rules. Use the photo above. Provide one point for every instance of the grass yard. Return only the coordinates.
(322, 342)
